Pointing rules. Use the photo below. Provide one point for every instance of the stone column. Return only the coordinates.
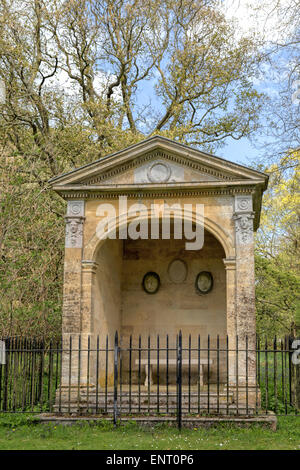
(245, 296)
(230, 266)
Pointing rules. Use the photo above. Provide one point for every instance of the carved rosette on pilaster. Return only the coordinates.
(74, 224)
(243, 217)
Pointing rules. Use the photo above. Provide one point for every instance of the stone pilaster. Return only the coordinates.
(72, 267)
(245, 297)
(71, 327)
(230, 267)
(88, 338)
(89, 269)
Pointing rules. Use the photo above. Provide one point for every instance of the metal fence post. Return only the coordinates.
(294, 377)
(179, 381)
(116, 352)
(290, 354)
(5, 378)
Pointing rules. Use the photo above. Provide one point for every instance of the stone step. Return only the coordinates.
(153, 407)
(222, 409)
(134, 403)
(163, 403)
(144, 405)
(163, 398)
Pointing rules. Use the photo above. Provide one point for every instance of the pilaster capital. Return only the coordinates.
(244, 227)
(74, 224)
(74, 232)
(230, 264)
(243, 217)
(89, 266)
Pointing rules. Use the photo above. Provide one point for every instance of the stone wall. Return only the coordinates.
(107, 291)
(176, 306)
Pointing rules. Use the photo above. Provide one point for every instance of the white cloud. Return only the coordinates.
(267, 18)
(62, 82)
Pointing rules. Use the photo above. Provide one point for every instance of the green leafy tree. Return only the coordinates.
(76, 76)
(278, 249)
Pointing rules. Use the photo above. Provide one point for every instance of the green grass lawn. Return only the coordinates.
(20, 433)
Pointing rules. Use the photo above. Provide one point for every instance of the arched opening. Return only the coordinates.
(122, 304)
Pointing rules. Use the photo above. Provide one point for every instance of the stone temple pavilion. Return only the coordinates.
(153, 286)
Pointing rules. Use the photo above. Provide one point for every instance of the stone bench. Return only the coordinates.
(171, 362)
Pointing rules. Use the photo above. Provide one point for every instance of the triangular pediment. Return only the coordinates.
(157, 167)
(154, 162)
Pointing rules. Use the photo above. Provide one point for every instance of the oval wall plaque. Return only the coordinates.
(151, 282)
(204, 282)
(177, 271)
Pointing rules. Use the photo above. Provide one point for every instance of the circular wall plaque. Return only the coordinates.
(159, 172)
(204, 282)
(151, 283)
(177, 271)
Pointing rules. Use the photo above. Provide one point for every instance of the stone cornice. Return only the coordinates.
(79, 193)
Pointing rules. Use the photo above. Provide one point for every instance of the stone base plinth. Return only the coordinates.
(140, 400)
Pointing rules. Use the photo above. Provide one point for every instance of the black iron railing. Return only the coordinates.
(172, 376)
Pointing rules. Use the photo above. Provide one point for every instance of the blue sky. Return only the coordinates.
(239, 151)
(265, 23)
(261, 18)
(248, 20)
